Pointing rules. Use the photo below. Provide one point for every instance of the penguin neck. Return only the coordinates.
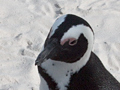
(61, 72)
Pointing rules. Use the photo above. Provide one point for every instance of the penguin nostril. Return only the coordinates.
(72, 42)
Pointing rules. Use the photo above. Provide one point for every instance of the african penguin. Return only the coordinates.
(67, 61)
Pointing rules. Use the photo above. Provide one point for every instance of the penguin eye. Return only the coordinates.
(72, 42)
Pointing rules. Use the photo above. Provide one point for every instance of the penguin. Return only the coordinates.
(67, 61)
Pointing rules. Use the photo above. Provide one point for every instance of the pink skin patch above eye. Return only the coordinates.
(70, 41)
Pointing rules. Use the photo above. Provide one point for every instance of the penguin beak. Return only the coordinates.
(48, 52)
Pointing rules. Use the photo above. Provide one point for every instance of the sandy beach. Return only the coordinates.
(24, 25)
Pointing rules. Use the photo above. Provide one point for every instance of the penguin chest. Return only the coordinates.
(59, 72)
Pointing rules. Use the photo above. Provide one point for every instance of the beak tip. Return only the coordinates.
(37, 63)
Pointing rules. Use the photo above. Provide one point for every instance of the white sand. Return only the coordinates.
(24, 25)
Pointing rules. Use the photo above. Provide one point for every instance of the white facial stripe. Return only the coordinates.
(75, 31)
(57, 23)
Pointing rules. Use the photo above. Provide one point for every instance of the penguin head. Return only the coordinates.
(69, 39)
